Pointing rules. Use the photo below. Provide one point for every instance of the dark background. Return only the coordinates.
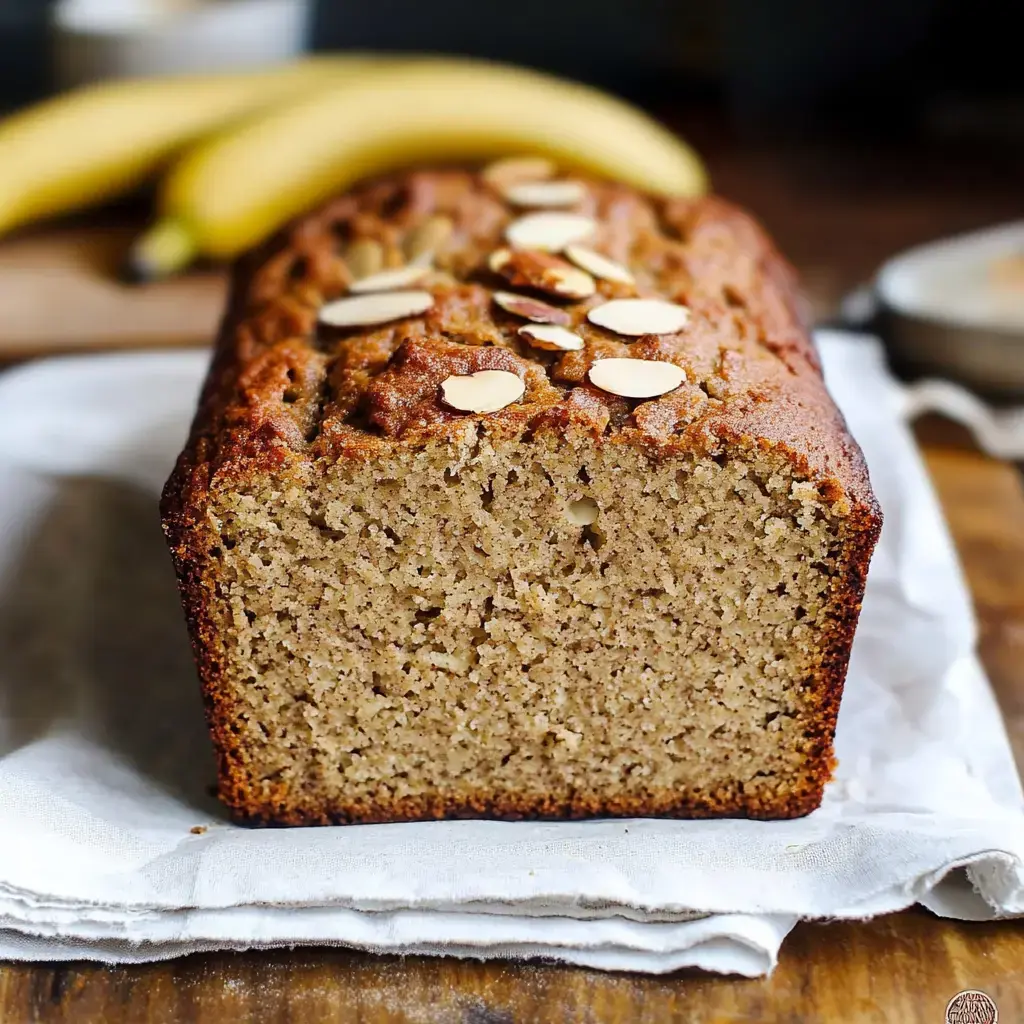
(938, 68)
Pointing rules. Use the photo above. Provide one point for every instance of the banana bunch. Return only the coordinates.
(241, 154)
(101, 141)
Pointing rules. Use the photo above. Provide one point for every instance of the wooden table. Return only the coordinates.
(838, 214)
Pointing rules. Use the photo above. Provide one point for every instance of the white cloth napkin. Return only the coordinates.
(105, 766)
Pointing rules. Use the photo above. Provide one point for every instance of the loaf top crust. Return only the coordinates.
(283, 386)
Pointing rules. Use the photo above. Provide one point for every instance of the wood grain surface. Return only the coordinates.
(837, 213)
(60, 292)
(902, 968)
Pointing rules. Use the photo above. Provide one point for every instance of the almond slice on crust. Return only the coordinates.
(599, 265)
(531, 309)
(528, 268)
(546, 194)
(549, 231)
(551, 337)
(390, 280)
(634, 317)
(424, 240)
(502, 174)
(364, 256)
(483, 391)
(374, 308)
(636, 378)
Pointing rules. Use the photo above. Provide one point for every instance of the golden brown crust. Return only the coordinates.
(283, 390)
(515, 807)
(323, 393)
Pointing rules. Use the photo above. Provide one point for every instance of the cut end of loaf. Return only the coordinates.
(554, 630)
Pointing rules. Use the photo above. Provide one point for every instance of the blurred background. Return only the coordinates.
(934, 67)
(939, 68)
(853, 128)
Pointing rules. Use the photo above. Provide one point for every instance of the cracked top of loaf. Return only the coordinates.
(285, 385)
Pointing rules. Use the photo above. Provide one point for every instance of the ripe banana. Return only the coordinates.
(233, 190)
(97, 142)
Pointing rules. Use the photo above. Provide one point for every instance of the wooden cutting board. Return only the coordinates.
(60, 292)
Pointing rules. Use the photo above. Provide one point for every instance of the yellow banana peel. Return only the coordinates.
(231, 191)
(100, 141)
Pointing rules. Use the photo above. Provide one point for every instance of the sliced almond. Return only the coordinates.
(598, 265)
(549, 231)
(636, 378)
(364, 257)
(483, 391)
(375, 308)
(531, 309)
(502, 174)
(551, 194)
(423, 242)
(570, 282)
(551, 337)
(498, 259)
(532, 269)
(390, 280)
(634, 317)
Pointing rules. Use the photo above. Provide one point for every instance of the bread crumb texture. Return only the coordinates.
(577, 605)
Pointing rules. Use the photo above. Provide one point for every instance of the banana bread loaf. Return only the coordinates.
(512, 495)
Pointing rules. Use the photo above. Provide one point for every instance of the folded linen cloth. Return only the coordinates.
(114, 850)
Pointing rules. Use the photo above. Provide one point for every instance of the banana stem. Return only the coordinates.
(166, 248)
